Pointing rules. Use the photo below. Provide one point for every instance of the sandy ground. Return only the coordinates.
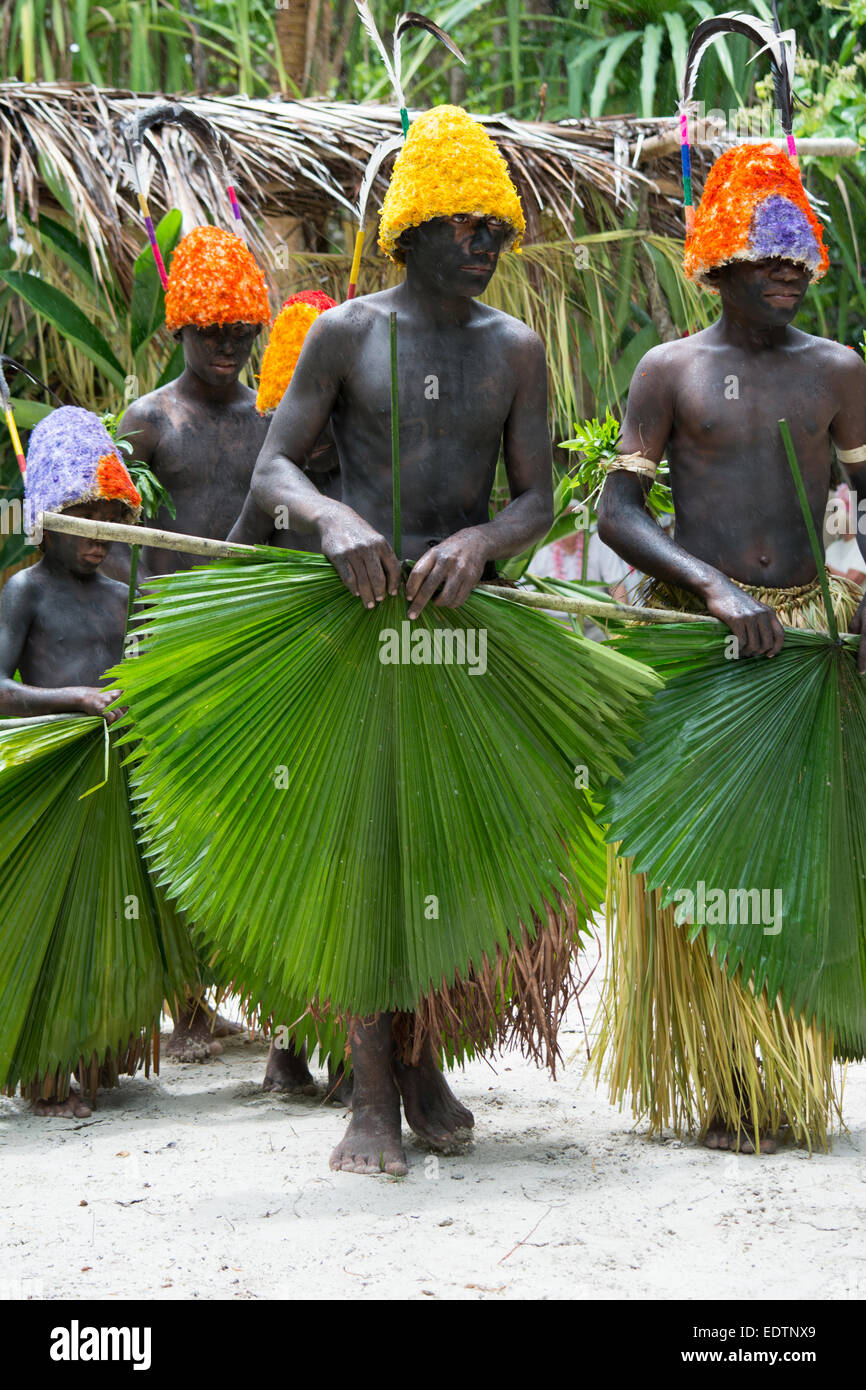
(199, 1185)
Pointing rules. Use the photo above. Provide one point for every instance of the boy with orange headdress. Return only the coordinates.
(200, 435)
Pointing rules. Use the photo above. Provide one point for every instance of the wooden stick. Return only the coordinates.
(658, 146)
(225, 550)
(595, 608)
(144, 535)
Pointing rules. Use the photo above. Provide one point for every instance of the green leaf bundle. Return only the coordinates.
(88, 948)
(751, 775)
(352, 831)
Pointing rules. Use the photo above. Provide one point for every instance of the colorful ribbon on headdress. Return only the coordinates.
(10, 423)
(394, 69)
(173, 113)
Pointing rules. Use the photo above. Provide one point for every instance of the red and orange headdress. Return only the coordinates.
(290, 328)
(753, 207)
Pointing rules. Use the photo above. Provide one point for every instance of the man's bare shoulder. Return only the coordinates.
(837, 356)
(661, 363)
(144, 419)
(21, 591)
(344, 329)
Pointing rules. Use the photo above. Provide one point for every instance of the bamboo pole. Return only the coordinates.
(145, 535)
(228, 550)
(712, 133)
(596, 608)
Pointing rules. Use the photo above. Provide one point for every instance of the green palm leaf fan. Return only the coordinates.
(750, 778)
(88, 947)
(352, 831)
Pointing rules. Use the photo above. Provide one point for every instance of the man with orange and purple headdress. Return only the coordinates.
(710, 403)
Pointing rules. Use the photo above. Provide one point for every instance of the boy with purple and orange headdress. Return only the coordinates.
(711, 403)
(62, 625)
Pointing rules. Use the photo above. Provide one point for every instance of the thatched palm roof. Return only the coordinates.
(302, 159)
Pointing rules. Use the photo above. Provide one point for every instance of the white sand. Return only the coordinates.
(198, 1185)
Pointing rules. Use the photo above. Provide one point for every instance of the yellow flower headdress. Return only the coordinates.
(290, 329)
(449, 164)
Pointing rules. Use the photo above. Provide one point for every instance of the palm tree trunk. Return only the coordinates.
(291, 27)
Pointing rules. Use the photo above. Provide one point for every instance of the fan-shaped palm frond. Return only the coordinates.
(88, 948)
(750, 779)
(356, 809)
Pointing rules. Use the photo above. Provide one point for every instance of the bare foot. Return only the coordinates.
(183, 1047)
(72, 1108)
(196, 1030)
(720, 1137)
(340, 1086)
(431, 1108)
(372, 1143)
(287, 1071)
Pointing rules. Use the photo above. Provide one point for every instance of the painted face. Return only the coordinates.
(769, 291)
(218, 354)
(82, 555)
(456, 254)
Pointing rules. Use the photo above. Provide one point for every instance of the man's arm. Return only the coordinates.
(363, 559)
(627, 527)
(17, 609)
(848, 431)
(456, 564)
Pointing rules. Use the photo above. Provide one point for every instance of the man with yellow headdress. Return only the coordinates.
(710, 403)
(471, 380)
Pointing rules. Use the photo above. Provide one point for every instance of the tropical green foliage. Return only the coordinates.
(88, 948)
(353, 830)
(751, 775)
(149, 45)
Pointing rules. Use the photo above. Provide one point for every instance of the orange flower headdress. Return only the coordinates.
(290, 329)
(214, 277)
(754, 205)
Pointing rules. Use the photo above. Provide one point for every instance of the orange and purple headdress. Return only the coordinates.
(290, 329)
(72, 459)
(754, 206)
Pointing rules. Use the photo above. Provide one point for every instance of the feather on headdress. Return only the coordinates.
(754, 205)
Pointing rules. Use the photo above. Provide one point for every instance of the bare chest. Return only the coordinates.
(725, 403)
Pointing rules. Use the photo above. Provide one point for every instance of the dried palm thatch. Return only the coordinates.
(60, 144)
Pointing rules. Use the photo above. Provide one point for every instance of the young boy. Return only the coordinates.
(711, 403)
(490, 381)
(200, 435)
(62, 621)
